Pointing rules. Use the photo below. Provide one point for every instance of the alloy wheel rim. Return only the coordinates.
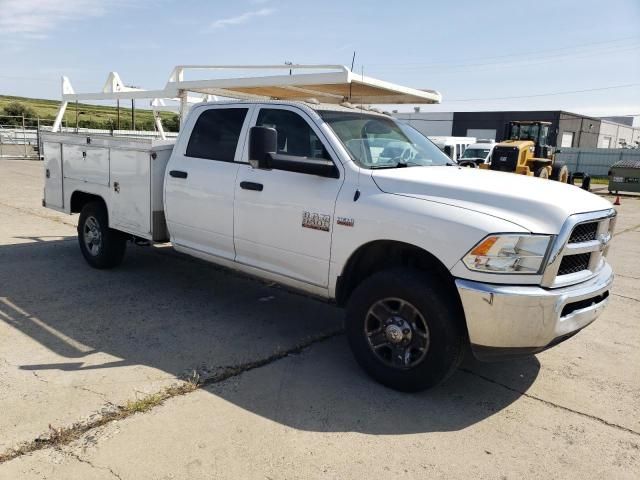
(397, 333)
(92, 236)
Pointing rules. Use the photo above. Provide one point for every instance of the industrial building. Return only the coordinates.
(567, 130)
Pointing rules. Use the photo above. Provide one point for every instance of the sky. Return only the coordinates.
(580, 56)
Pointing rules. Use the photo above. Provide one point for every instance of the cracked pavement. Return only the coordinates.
(76, 341)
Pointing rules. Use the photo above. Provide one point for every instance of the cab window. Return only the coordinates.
(295, 135)
(215, 134)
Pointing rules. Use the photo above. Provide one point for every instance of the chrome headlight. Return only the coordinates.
(509, 253)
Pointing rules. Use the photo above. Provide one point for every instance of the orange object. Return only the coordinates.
(485, 246)
(617, 202)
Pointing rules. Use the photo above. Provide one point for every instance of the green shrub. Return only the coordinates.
(16, 110)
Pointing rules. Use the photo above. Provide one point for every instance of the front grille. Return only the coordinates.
(504, 159)
(580, 252)
(574, 263)
(584, 232)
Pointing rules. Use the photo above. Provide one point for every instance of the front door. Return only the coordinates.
(200, 180)
(284, 220)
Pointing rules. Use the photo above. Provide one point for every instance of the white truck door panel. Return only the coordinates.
(286, 227)
(199, 208)
(200, 181)
(88, 164)
(53, 193)
(131, 190)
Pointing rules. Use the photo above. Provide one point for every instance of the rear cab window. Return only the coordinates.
(216, 133)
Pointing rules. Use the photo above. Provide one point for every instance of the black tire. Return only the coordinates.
(560, 172)
(541, 172)
(101, 246)
(468, 164)
(440, 311)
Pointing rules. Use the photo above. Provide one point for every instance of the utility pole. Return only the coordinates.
(118, 114)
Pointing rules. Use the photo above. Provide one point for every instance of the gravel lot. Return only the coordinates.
(77, 345)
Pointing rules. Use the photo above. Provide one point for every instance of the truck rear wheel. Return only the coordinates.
(101, 246)
(403, 331)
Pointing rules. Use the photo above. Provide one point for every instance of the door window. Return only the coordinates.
(216, 133)
(295, 135)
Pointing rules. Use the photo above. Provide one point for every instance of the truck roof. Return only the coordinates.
(316, 106)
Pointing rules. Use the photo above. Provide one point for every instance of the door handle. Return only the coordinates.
(178, 174)
(251, 186)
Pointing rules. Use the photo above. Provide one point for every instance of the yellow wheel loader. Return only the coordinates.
(527, 152)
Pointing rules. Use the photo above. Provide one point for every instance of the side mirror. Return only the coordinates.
(263, 144)
(263, 147)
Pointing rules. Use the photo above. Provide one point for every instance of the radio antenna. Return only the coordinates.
(353, 61)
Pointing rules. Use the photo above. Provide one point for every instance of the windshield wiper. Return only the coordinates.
(397, 165)
(381, 167)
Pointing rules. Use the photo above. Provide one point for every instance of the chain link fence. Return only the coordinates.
(595, 161)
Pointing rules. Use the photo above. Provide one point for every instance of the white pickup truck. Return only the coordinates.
(427, 257)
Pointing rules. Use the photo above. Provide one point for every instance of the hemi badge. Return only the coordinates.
(347, 222)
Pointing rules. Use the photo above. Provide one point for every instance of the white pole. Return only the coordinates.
(59, 117)
(158, 119)
(183, 107)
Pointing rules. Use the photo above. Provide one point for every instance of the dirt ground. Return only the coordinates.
(86, 358)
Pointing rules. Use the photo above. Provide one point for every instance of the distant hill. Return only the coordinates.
(90, 116)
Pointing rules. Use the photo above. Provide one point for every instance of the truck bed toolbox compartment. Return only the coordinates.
(128, 173)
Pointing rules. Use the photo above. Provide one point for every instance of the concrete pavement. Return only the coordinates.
(75, 342)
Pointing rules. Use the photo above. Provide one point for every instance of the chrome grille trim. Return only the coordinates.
(561, 248)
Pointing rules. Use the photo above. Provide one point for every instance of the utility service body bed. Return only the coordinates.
(128, 173)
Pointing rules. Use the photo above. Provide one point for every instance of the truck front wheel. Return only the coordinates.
(101, 246)
(404, 331)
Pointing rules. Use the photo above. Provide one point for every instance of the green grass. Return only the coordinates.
(101, 115)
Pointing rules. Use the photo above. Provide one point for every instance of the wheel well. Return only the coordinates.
(381, 255)
(80, 199)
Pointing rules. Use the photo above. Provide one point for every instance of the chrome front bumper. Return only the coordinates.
(505, 321)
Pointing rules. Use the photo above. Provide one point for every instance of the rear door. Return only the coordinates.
(201, 177)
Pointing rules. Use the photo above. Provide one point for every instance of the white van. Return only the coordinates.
(453, 147)
(478, 153)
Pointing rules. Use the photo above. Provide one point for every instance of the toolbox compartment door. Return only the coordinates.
(131, 191)
(53, 196)
(88, 164)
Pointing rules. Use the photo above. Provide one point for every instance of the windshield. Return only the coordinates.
(524, 132)
(379, 142)
(476, 153)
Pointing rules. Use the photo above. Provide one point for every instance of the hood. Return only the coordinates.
(538, 205)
